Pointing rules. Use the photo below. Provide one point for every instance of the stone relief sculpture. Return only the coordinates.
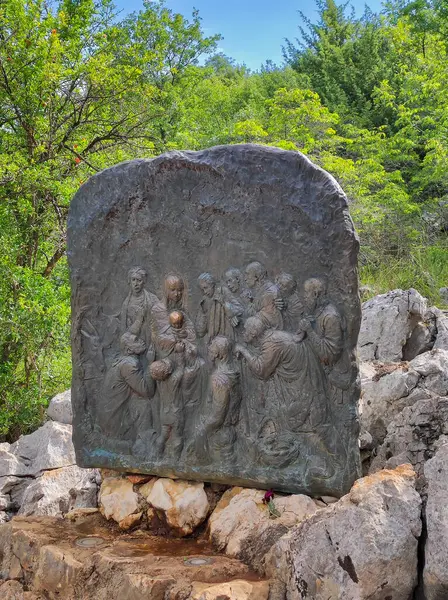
(228, 358)
(290, 343)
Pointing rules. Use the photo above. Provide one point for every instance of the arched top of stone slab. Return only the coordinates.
(234, 338)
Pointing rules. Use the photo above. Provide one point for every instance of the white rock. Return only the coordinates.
(381, 400)
(49, 447)
(387, 323)
(363, 547)
(59, 491)
(117, 499)
(435, 573)
(433, 367)
(9, 463)
(441, 322)
(60, 408)
(240, 524)
(183, 504)
(413, 436)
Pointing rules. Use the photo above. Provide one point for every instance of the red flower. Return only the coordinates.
(269, 495)
(77, 160)
(54, 31)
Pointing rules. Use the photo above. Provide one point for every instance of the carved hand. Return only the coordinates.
(239, 350)
(305, 325)
(179, 347)
(280, 303)
(151, 354)
(234, 321)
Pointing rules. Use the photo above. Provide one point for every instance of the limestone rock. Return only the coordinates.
(433, 368)
(444, 294)
(117, 499)
(435, 574)
(363, 547)
(9, 463)
(59, 491)
(241, 526)
(58, 571)
(385, 397)
(414, 435)
(60, 408)
(49, 447)
(183, 504)
(139, 586)
(441, 323)
(233, 590)
(11, 590)
(387, 323)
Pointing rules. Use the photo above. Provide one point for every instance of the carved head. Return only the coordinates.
(207, 284)
(255, 273)
(286, 284)
(160, 369)
(173, 289)
(131, 344)
(233, 279)
(176, 319)
(219, 348)
(253, 329)
(137, 279)
(314, 292)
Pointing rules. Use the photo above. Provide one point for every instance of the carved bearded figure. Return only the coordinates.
(124, 382)
(212, 318)
(136, 311)
(266, 298)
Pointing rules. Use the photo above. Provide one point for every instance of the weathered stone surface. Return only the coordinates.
(234, 590)
(433, 368)
(387, 323)
(241, 525)
(183, 504)
(49, 447)
(59, 491)
(167, 379)
(414, 435)
(435, 574)
(363, 547)
(56, 565)
(441, 324)
(60, 408)
(139, 586)
(117, 499)
(383, 398)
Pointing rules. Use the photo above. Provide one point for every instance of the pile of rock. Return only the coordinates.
(364, 546)
(38, 473)
(404, 397)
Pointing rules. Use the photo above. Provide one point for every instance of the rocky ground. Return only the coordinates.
(80, 534)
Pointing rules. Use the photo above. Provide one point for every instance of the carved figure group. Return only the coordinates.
(252, 367)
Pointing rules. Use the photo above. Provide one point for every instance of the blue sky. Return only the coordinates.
(253, 30)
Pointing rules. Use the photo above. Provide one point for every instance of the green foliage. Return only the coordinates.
(80, 90)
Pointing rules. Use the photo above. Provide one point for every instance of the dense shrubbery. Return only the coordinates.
(79, 91)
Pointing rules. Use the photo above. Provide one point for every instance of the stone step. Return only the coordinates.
(88, 558)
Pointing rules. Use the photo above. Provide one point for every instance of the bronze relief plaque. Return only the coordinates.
(215, 315)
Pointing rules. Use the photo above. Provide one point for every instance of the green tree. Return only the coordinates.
(78, 92)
